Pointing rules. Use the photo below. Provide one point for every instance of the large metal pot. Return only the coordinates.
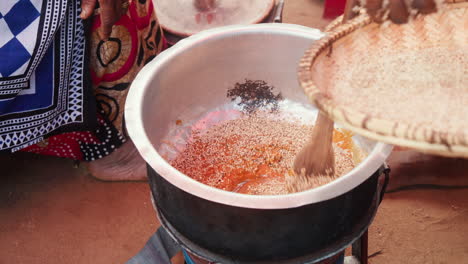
(191, 78)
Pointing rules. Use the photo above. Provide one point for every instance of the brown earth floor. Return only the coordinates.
(51, 212)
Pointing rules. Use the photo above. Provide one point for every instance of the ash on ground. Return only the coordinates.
(254, 95)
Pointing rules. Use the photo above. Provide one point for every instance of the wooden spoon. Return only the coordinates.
(317, 157)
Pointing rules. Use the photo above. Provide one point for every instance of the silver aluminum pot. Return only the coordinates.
(191, 78)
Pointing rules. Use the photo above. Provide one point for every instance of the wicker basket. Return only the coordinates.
(448, 26)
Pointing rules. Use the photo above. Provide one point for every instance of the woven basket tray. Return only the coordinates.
(359, 39)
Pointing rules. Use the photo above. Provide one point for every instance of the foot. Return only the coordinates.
(124, 164)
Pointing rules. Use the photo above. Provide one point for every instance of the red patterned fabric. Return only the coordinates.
(136, 39)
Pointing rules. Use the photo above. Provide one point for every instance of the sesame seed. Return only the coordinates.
(253, 154)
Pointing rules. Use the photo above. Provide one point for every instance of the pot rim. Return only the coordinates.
(136, 131)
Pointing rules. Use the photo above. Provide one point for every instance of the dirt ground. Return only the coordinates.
(51, 212)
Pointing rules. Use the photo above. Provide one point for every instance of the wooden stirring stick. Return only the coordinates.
(317, 157)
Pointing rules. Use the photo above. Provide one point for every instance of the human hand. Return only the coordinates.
(397, 11)
(110, 11)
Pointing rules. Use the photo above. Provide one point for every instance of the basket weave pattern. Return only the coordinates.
(347, 42)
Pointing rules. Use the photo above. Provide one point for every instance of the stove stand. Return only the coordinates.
(161, 247)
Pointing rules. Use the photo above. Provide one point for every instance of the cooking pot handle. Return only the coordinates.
(159, 249)
(386, 174)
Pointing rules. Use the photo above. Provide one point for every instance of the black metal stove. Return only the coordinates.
(161, 247)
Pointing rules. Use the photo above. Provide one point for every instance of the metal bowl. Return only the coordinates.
(191, 78)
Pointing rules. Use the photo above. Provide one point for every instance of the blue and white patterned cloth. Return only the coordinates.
(43, 87)
(19, 21)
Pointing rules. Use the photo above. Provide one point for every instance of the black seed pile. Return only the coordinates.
(255, 94)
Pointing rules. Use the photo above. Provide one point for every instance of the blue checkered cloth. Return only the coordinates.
(19, 21)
